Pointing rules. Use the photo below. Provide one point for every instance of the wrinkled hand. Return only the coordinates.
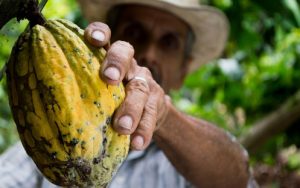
(145, 105)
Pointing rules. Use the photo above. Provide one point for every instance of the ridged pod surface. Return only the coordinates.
(62, 108)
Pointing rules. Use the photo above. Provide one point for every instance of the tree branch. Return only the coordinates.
(274, 123)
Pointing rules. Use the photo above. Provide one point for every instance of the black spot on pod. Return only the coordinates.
(53, 155)
(108, 120)
(80, 130)
(74, 142)
(96, 160)
(83, 144)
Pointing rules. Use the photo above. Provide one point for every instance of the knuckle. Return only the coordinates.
(151, 109)
(132, 107)
(134, 64)
(146, 71)
(120, 52)
(114, 55)
(123, 47)
(136, 85)
(146, 126)
(148, 121)
(124, 44)
(99, 25)
(160, 90)
(155, 88)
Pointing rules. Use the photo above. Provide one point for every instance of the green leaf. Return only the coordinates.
(294, 8)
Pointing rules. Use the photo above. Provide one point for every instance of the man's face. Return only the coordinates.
(159, 40)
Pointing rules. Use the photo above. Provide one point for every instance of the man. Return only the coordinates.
(169, 148)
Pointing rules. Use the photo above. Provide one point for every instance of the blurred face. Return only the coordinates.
(159, 40)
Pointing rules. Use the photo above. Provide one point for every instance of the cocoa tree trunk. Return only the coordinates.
(19, 9)
(274, 123)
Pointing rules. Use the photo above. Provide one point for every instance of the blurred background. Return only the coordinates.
(252, 91)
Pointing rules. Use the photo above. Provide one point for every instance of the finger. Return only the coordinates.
(142, 136)
(117, 62)
(98, 34)
(130, 112)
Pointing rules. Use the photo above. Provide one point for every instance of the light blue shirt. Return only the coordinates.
(142, 169)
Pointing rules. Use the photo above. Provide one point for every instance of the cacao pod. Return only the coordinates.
(61, 107)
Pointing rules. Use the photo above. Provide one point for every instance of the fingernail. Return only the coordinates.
(138, 142)
(112, 73)
(98, 35)
(125, 122)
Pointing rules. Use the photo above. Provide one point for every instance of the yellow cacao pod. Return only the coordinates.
(62, 108)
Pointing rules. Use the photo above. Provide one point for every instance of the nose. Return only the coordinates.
(148, 57)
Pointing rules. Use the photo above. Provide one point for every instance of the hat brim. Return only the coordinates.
(209, 25)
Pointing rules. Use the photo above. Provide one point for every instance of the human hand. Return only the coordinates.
(145, 105)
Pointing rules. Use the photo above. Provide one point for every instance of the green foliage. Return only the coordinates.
(8, 36)
(7, 129)
(259, 70)
(294, 161)
(267, 80)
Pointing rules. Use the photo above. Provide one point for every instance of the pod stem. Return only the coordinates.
(30, 11)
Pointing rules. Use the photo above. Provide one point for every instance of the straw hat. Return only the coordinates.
(209, 24)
